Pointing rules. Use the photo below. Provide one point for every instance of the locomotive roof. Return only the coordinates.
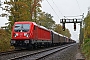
(33, 23)
(56, 33)
(60, 34)
(23, 22)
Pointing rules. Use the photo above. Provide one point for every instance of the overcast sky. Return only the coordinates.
(67, 8)
(61, 8)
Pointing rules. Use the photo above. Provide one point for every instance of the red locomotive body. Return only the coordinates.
(29, 34)
(26, 34)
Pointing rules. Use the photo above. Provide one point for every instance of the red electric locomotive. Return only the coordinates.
(28, 34)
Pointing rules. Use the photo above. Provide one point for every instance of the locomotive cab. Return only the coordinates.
(21, 34)
(21, 31)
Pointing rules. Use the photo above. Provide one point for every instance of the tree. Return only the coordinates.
(4, 41)
(46, 20)
(22, 10)
(58, 29)
(87, 27)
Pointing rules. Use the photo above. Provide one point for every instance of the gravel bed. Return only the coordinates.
(66, 54)
(6, 57)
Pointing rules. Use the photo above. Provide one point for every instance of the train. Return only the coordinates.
(30, 35)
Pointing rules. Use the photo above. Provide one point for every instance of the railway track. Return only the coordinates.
(8, 52)
(40, 54)
(12, 52)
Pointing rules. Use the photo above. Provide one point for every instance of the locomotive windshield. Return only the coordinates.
(22, 27)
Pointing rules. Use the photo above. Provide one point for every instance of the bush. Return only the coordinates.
(86, 48)
(4, 41)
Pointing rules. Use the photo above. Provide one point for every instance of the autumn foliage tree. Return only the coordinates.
(87, 26)
(22, 10)
(4, 41)
(86, 41)
(46, 20)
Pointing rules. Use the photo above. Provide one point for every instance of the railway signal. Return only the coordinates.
(63, 27)
(75, 21)
(74, 26)
(0, 2)
(63, 21)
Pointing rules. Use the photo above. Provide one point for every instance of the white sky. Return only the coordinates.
(65, 8)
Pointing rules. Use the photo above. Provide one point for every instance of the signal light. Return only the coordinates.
(63, 27)
(74, 26)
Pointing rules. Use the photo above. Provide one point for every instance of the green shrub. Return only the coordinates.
(4, 41)
(86, 48)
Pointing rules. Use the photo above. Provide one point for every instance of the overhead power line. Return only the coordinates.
(74, 16)
(57, 7)
(79, 6)
(53, 9)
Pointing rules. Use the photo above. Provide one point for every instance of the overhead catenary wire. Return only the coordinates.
(79, 9)
(57, 8)
(74, 16)
(79, 6)
(53, 9)
(61, 12)
(68, 16)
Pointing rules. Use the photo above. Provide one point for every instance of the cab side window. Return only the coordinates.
(34, 27)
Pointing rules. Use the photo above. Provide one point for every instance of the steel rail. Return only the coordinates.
(36, 54)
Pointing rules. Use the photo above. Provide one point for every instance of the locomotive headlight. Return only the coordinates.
(13, 41)
(16, 34)
(26, 41)
(26, 34)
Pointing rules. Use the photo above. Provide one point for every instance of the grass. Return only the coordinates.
(86, 48)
